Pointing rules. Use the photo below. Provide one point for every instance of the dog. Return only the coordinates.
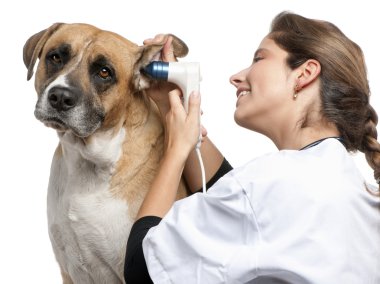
(91, 91)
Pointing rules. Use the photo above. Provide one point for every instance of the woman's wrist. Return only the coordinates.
(163, 191)
(177, 152)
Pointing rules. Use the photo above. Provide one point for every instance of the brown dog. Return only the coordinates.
(90, 91)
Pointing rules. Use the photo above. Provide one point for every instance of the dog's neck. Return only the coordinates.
(100, 153)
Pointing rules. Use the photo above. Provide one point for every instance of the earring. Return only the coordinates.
(295, 94)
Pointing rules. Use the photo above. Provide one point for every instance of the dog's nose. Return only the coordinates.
(62, 99)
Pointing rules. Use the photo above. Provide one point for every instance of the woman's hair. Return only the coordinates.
(344, 88)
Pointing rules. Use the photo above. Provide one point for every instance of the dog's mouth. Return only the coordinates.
(61, 126)
(56, 124)
(51, 121)
(80, 121)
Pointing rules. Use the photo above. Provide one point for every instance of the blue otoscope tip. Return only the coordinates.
(157, 69)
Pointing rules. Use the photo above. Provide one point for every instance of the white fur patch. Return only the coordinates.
(59, 81)
(86, 223)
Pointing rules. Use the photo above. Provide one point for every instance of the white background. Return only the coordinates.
(221, 35)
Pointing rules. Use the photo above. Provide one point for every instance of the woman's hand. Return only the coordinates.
(159, 92)
(183, 129)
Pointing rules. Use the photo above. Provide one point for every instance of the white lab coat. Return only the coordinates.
(288, 217)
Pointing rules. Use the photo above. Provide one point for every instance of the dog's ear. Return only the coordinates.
(34, 45)
(149, 53)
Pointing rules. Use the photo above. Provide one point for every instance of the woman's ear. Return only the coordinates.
(308, 72)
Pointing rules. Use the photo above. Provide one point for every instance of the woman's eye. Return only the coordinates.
(104, 73)
(257, 59)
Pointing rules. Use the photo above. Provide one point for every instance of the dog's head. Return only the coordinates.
(87, 78)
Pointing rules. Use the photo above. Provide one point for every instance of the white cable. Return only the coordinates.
(202, 169)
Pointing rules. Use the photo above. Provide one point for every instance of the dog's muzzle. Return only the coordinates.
(67, 108)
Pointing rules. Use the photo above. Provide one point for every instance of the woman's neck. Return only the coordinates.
(299, 138)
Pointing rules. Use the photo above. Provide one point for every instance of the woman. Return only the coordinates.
(301, 215)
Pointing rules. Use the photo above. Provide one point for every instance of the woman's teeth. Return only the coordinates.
(243, 93)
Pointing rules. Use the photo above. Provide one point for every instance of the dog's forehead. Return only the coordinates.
(79, 36)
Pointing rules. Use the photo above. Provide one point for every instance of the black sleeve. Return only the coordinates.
(224, 168)
(135, 269)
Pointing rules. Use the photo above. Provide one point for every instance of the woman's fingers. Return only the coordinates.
(167, 52)
(156, 40)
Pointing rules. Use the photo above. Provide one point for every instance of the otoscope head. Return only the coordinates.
(157, 69)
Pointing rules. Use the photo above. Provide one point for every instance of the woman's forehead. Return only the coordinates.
(270, 46)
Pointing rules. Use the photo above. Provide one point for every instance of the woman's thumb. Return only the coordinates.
(174, 98)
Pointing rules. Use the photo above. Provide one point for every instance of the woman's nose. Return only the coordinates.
(239, 77)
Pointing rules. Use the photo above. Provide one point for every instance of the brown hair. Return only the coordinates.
(344, 88)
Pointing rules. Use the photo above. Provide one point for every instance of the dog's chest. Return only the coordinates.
(88, 226)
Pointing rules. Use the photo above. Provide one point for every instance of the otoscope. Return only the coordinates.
(186, 75)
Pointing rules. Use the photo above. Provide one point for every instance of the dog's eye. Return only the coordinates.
(104, 73)
(56, 58)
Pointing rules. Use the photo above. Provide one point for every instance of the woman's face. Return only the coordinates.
(264, 90)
